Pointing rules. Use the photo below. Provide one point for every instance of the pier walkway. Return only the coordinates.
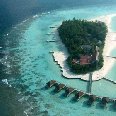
(114, 82)
(90, 83)
(112, 57)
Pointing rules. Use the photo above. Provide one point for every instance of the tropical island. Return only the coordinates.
(84, 41)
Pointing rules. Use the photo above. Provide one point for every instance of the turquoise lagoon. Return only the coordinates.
(36, 66)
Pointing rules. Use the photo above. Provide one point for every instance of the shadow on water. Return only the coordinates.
(73, 100)
(62, 96)
(53, 92)
(112, 107)
(44, 88)
(100, 106)
(85, 104)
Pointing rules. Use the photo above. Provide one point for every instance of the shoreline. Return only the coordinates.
(60, 57)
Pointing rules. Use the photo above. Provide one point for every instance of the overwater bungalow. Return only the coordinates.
(92, 98)
(79, 94)
(68, 91)
(50, 83)
(104, 101)
(59, 87)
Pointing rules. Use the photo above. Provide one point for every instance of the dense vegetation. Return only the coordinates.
(81, 38)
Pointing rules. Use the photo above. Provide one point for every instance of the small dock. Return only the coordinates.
(53, 27)
(49, 34)
(90, 83)
(111, 57)
(50, 40)
(51, 52)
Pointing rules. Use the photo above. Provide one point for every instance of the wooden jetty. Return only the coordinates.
(52, 27)
(79, 94)
(51, 51)
(48, 34)
(59, 87)
(50, 40)
(90, 83)
(92, 98)
(50, 83)
(111, 56)
(104, 101)
(68, 91)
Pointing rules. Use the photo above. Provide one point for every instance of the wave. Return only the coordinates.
(5, 81)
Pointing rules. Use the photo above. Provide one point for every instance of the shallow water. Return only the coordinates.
(31, 66)
(113, 24)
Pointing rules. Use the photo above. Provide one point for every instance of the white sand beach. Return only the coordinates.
(110, 44)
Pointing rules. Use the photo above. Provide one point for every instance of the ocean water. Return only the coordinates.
(113, 53)
(30, 65)
(27, 8)
(113, 24)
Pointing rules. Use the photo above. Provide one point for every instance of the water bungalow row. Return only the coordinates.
(78, 93)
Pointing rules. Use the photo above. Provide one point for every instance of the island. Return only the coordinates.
(84, 41)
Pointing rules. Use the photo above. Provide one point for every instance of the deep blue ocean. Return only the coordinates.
(26, 64)
(14, 11)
